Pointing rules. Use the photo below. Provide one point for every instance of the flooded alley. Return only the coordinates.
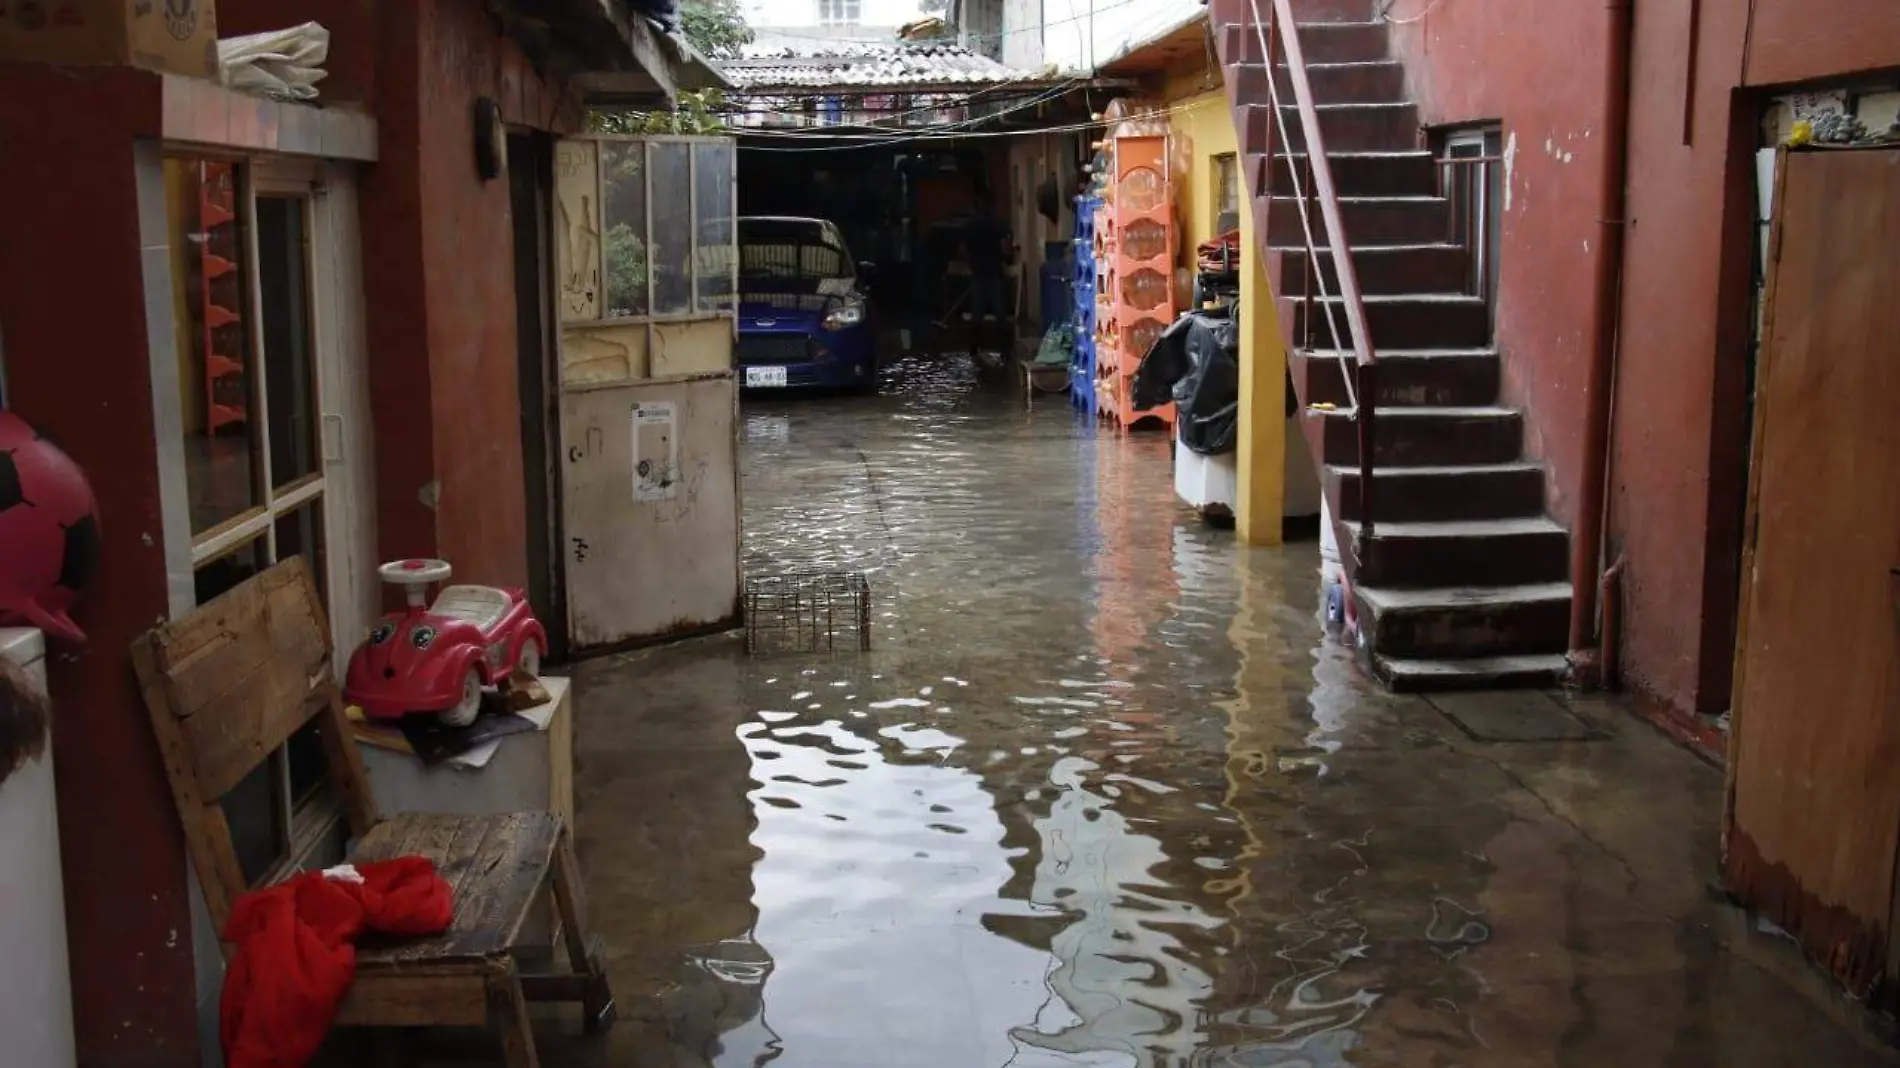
(1102, 794)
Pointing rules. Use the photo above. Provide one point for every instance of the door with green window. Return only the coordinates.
(646, 281)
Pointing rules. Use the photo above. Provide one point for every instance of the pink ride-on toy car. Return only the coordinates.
(436, 658)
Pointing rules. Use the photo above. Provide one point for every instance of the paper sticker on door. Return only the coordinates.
(656, 456)
(757, 377)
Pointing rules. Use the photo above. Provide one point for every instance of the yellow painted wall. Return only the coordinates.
(1204, 120)
(1200, 114)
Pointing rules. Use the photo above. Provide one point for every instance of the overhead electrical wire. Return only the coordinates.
(997, 36)
(871, 130)
(862, 141)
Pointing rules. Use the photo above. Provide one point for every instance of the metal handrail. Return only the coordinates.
(1282, 29)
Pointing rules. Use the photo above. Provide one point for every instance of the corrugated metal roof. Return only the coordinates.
(849, 65)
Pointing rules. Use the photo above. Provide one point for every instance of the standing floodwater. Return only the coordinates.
(1101, 794)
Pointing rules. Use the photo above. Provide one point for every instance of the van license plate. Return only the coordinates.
(757, 377)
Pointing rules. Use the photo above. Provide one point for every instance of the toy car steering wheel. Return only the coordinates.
(415, 577)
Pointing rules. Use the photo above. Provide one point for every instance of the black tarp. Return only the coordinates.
(1196, 364)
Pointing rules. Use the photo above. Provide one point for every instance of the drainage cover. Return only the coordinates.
(1513, 716)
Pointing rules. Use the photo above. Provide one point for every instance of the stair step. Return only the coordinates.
(1387, 127)
(1369, 221)
(1225, 12)
(1398, 321)
(1376, 81)
(1434, 494)
(1423, 378)
(1426, 437)
(1355, 174)
(1488, 552)
(1471, 673)
(1383, 270)
(1322, 42)
(1465, 621)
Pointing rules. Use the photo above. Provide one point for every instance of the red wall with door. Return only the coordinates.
(72, 298)
(439, 279)
(1680, 440)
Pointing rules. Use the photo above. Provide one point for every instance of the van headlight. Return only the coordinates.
(849, 313)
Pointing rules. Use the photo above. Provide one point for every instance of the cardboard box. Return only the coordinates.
(180, 36)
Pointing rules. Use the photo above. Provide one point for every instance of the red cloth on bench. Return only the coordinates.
(296, 956)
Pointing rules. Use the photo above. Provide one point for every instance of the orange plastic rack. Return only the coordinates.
(1137, 241)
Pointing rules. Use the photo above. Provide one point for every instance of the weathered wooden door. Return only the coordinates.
(1814, 800)
(646, 282)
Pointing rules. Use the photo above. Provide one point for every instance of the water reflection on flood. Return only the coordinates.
(1102, 796)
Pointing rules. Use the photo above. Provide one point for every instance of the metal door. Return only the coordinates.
(646, 283)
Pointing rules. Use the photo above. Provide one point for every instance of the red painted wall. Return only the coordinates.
(72, 295)
(439, 280)
(1680, 438)
(351, 66)
(437, 242)
(1537, 69)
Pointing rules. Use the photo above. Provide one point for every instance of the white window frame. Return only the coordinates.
(301, 827)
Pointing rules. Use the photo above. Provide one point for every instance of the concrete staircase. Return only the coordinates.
(1465, 582)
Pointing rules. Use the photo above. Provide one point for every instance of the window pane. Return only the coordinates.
(623, 177)
(672, 228)
(284, 293)
(210, 314)
(229, 571)
(713, 262)
(300, 533)
(256, 821)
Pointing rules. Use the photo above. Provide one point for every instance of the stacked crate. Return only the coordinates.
(227, 402)
(1136, 240)
(1082, 365)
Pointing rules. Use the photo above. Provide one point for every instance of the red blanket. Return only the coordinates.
(296, 955)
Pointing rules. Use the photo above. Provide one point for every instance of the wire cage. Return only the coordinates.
(808, 612)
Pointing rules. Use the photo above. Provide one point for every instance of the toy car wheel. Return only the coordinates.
(470, 706)
(529, 659)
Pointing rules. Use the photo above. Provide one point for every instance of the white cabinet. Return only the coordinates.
(36, 1002)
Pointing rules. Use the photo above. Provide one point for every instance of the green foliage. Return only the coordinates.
(715, 27)
(696, 113)
(626, 262)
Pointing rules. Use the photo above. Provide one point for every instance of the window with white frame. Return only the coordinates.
(840, 12)
(1471, 175)
(249, 410)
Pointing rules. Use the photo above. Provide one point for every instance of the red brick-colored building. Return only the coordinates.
(268, 329)
(1707, 80)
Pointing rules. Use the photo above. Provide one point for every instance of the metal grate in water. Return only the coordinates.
(807, 612)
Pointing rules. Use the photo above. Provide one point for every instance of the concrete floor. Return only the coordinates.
(1102, 795)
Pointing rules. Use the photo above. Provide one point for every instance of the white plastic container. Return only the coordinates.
(36, 1000)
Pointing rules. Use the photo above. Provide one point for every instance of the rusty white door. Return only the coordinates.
(646, 273)
(1813, 823)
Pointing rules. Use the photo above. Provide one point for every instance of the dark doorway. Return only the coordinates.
(530, 178)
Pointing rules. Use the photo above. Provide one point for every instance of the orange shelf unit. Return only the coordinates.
(227, 398)
(1136, 251)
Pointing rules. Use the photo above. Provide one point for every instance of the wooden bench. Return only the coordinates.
(227, 686)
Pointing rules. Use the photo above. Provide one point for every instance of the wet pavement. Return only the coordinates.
(1103, 795)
